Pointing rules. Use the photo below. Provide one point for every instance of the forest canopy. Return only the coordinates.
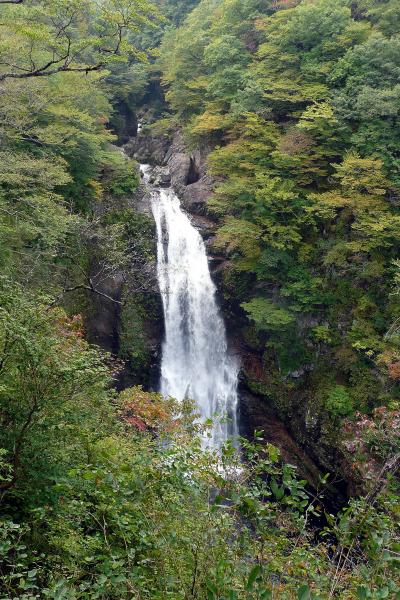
(108, 494)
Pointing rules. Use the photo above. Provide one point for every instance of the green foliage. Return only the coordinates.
(206, 68)
(266, 315)
(134, 344)
(61, 36)
(126, 516)
(51, 382)
(383, 13)
(120, 177)
(338, 402)
(107, 495)
(299, 101)
(322, 334)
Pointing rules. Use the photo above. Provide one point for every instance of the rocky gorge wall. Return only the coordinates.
(124, 316)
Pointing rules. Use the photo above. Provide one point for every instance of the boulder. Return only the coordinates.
(195, 195)
(147, 149)
(160, 177)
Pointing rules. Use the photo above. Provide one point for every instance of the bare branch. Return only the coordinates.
(44, 73)
(88, 288)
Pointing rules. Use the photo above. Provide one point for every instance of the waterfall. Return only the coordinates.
(195, 359)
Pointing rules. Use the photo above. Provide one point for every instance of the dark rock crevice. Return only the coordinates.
(194, 173)
(124, 122)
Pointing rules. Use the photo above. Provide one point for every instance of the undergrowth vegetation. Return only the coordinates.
(113, 496)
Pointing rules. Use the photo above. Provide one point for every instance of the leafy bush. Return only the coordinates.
(120, 175)
(339, 402)
(266, 315)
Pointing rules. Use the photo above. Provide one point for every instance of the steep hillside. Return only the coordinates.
(296, 104)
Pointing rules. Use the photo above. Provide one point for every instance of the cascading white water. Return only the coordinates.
(195, 359)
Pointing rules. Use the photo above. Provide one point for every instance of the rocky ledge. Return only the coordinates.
(175, 165)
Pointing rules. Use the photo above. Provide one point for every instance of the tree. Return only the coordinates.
(67, 36)
(49, 376)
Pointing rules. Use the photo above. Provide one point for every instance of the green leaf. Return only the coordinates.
(361, 593)
(254, 574)
(278, 491)
(212, 591)
(304, 593)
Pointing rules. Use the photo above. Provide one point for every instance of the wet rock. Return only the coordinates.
(195, 196)
(179, 167)
(188, 176)
(204, 225)
(147, 148)
(187, 170)
(177, 146)
(160, 177)
(103, 319)
(142, 202)
(257, 414)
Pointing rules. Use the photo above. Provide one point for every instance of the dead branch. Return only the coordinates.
(89, 288)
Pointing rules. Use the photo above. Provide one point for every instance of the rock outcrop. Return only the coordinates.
(188, 176)
(160, 177)
(178, 162)
(146, 148)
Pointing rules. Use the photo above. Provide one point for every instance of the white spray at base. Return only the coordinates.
(195, 359)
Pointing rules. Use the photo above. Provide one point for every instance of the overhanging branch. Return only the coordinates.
(45, 73)
(89, 288)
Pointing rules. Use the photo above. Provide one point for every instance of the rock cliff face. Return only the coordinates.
(147, 148)
(128, 325)
(177, 166)
(189, 176)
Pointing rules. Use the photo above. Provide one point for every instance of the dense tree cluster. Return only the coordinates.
(300, 101)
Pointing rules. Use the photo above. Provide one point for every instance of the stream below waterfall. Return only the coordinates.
(195, 362)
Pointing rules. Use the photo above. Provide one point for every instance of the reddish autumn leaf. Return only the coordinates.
(394, 371)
